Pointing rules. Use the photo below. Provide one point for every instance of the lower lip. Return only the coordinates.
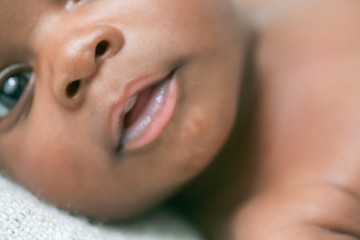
(154, 118)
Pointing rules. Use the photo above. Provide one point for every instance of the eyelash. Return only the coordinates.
(15, 97)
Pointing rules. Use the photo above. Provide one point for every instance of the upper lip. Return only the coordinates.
(135, 86)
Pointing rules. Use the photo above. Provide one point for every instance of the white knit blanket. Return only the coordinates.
(24, 217)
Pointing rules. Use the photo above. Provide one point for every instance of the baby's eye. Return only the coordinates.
(11, 89)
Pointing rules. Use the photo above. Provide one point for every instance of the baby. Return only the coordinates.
(109, 107)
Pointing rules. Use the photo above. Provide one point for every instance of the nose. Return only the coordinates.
(80, 56)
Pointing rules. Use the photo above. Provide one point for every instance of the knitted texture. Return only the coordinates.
(24, 217)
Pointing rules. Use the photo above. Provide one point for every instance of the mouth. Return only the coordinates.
(145, 113)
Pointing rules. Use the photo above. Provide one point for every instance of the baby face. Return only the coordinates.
(109, 106)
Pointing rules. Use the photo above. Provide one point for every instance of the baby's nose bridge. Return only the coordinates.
(80, 54)
(75, 56)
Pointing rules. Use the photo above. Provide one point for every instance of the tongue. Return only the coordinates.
(150, 114)
(140, 106)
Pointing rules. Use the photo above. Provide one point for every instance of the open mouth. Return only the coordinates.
(146, 114)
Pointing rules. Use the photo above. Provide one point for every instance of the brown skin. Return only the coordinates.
(301, 166)
(62, 149)
(307, 181)
(288, 170)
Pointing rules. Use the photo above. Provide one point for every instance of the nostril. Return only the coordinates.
(101, 48)
(73, 88)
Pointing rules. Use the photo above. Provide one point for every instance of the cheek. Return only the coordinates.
(54, 164)
(44, 167)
